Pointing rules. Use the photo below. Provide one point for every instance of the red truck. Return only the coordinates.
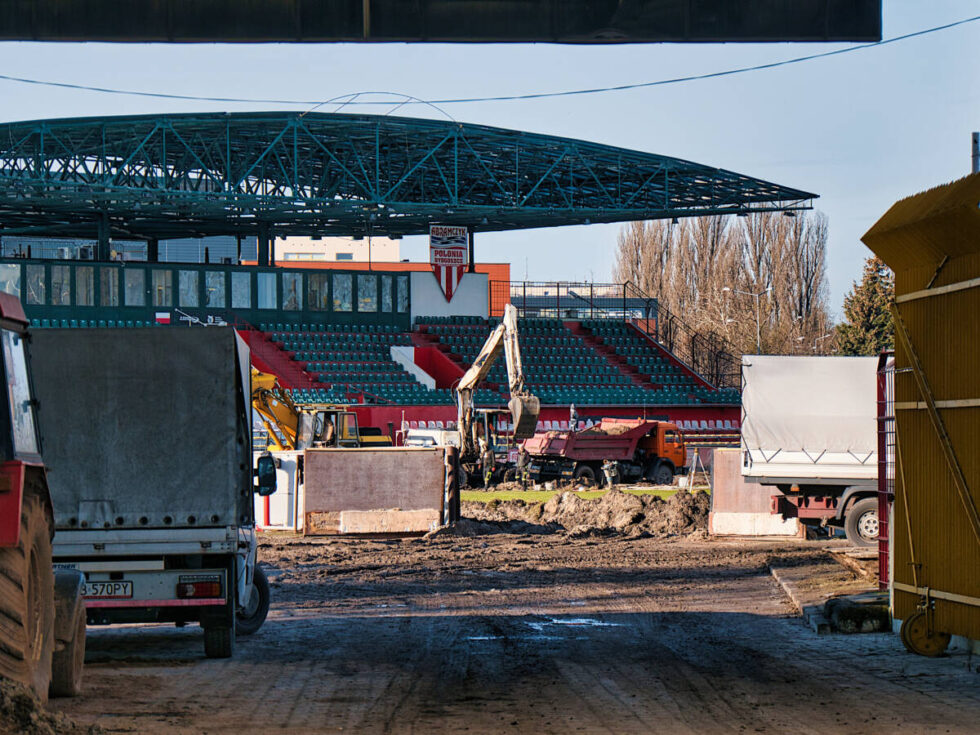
(651, 450)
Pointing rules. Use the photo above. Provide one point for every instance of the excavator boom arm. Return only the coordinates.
(524, 407)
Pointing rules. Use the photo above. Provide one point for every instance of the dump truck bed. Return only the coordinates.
(145, 428)
(612, 439)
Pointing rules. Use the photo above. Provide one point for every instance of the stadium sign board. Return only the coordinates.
(449, 255)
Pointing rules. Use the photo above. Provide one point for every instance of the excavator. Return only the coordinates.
(291, 427)
(524, 407)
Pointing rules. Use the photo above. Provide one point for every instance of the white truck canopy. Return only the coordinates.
(809, 419)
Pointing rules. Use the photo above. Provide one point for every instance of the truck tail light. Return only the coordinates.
(192, 590)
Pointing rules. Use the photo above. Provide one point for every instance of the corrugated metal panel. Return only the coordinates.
(935, 544)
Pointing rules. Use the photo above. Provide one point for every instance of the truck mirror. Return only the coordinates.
(265, 475)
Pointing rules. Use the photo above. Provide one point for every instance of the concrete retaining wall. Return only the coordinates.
(740, 508)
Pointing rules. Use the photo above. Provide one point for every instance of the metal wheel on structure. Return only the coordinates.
(919, 637)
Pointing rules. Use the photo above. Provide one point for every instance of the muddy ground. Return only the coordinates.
(524, 633)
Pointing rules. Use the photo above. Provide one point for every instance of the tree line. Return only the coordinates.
(759, 282)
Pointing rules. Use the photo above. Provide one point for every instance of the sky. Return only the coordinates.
(861, 129)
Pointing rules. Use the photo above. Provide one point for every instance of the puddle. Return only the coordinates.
(572, 622)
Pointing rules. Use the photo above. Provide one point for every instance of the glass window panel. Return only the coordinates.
(162, 287)
(187, 288)
(135, 281)
(19, 394)
(292, 291)
(402, 294)
(10, 279)
(241, 291)
(386, 282)
(60, 285)
(109, 286)
(342, 283)
(267, 290)
(85, 285)
(367, 293)
(35, 284)
(318, 285)
(214, 282)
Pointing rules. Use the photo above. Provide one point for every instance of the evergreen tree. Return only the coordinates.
(867, 328)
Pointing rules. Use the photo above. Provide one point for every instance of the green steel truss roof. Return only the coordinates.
(187, 175)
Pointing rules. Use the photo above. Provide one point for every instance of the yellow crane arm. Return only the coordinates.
(279, 415)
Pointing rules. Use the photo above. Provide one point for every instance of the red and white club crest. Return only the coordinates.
(449, 255)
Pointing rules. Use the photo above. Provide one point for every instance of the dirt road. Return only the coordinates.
(524, 634)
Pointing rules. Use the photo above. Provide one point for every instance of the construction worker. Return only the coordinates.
(487, 461)
(610, 468)
(523, 466)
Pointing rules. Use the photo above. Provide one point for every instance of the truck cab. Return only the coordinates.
(42, 644)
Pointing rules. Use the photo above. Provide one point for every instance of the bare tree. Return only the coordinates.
(712, 271)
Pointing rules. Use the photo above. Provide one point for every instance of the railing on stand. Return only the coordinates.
(705, 352)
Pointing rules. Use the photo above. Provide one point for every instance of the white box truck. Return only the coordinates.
(147, 436)
(809, 430)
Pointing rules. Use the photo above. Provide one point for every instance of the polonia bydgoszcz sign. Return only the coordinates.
(449, 255)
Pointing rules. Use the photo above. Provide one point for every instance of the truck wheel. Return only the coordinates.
(510, 475)
(68, 663)
(250, 618)
(219, 642)
(585, 474)
(663, 475)
(27, 601)
(861, 523)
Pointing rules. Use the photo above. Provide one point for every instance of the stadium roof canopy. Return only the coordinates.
(567, 21)
(279, 173)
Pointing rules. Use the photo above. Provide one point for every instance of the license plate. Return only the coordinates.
(107, 590)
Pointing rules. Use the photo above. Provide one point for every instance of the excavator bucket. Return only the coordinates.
(524, 410)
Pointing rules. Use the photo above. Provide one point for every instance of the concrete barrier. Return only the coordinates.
(390, 490)
(740, 508)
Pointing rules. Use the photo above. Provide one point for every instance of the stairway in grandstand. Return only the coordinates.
(352, 361)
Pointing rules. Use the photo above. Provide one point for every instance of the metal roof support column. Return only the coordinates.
(103, 249)
(472, 266)
(264, 250)
(153, 250)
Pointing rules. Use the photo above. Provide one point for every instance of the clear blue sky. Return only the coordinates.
(861, 129)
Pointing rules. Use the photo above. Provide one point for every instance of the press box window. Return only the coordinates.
(35, 284)
(214, 282)
(60, 285)
(241, 291)
(267, 290)
(162, 288)
(10, 279)
(85, 285)
(292, 291)
(187, 288)
(135, 283)
(109, 286)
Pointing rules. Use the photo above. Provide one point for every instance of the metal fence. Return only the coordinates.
(705, 352)
(886, 461)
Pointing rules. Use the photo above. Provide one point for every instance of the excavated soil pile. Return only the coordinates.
(615, 512)
(21, 713)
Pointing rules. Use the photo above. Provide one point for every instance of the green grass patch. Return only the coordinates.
(542, 496)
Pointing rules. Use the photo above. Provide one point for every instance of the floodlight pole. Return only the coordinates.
(758, 320)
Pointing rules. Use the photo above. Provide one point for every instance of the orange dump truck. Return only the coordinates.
(641, 449)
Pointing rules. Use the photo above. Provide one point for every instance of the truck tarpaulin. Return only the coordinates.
(809, 417)
(121, 412)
